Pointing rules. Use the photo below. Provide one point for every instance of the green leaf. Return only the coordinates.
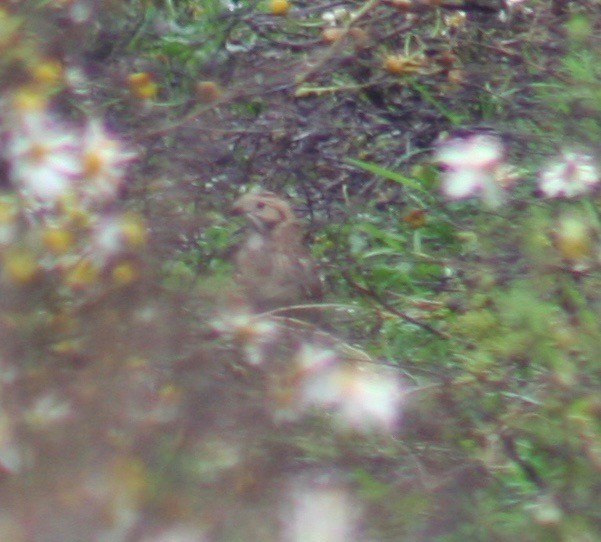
(408, 182)
(456, 118)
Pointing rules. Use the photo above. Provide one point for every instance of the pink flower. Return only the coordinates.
(572, 174)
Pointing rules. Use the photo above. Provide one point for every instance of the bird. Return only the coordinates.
(273, 265)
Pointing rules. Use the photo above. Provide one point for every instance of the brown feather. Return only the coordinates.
(273, 265)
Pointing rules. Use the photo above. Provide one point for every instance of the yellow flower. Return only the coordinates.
(133, 230)
(124, 273)
(27, 99)
(47, 73)
(279, 7)
(20, 265)
(58, 240)
(573, 238)
(142, 85)
(83, 273)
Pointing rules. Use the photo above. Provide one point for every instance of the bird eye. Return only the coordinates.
(260, 205)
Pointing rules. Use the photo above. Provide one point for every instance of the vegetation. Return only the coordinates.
(444, 157)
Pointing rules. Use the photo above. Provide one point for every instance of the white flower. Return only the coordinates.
(464, 183)
(572, 174)
(314, 359)
(252, 333)
(318, 508)
(178, 533)
(480, 152)
(102, 164)
(336, 16)
(363, 397)
(369, 398)
(114, 234)
(107, 238)
(48, 160)
(470, 167)
(48, 410)
(42, 156)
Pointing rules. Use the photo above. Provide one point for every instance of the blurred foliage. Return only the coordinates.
(125, 414)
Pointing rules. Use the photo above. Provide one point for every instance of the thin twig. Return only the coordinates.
(369, 292)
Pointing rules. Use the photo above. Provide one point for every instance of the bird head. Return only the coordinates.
(264, 210)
